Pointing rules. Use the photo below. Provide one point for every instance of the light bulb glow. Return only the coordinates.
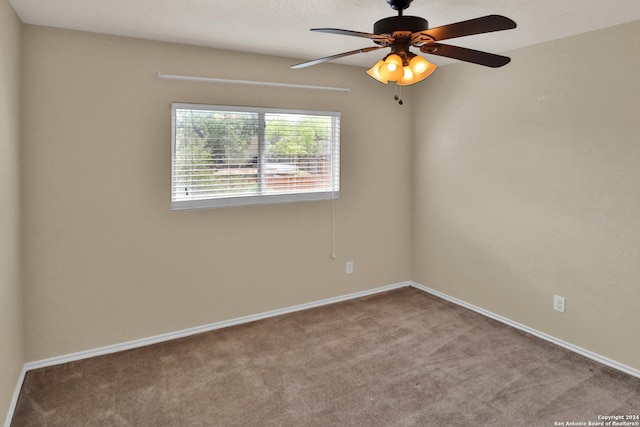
(421, 69)
(418, 64)
(407, 78)
(375, 72)
(394, 59)
(391, 71)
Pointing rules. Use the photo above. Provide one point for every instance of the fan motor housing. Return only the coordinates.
(392, 24)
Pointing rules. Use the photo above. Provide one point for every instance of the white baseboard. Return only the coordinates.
(205, 328)
(251, 318)
(591, 355)
(14, 399)
(58, 360)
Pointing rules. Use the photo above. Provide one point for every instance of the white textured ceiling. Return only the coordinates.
(281, 27)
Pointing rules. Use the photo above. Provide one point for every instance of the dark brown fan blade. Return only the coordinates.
(485, 24)
(468, 55)
(332, 57)
(374, 37)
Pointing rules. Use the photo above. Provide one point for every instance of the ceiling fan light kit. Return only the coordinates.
(404, 71)
(402, 32)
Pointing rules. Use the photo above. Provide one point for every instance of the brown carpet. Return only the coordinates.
(401, 358)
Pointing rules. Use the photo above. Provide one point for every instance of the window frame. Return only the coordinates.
(258, 199)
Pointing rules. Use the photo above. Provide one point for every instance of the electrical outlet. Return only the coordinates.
(558, 303)
(349, 267)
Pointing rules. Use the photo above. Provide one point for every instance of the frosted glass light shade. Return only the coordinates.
(419, 69)
(375, 72)
(392, 68)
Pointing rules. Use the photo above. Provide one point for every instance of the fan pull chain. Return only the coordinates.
(398, 93)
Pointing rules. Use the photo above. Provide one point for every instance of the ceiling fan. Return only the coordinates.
(401, 32)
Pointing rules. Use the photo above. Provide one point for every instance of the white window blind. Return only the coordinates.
(231, 156)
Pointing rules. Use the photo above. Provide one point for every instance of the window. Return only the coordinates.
(232, 156)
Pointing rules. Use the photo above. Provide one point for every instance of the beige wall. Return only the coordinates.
(524, 185)
(106, 260)
(11, 336)
(527, 185)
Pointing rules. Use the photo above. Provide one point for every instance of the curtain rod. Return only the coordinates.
(250, 82)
